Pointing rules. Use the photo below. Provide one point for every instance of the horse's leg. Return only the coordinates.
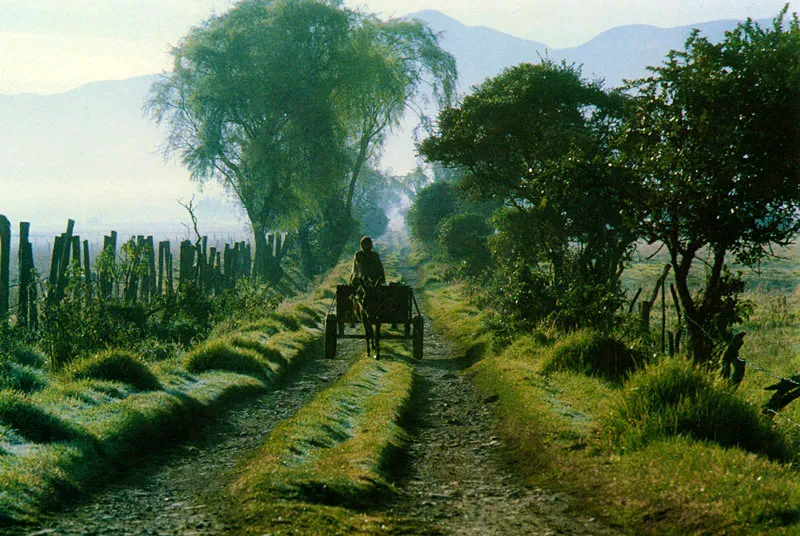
(377, 340)
(367, 332)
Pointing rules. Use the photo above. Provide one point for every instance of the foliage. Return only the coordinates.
(463, 238)
(247, 301)
(711, 134)
(432, 205)
(537, 138)
(284, 102)
(115, 365)
(676, 397)
(594, 354)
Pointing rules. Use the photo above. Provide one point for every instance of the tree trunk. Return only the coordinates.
(306, 252)
(265, 268)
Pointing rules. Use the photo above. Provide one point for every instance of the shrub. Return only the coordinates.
(433, 204)
(31, 421)
(116, 365)
(463, 239)
(675, 397)
(593, 354)
(221, 354)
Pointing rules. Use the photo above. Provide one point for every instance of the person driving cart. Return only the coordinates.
(367, 265)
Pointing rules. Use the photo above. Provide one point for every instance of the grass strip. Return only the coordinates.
(558, 421)
(113, 419)
(333, 457)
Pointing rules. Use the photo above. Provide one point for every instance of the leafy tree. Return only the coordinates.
(249, 102)
(284, 101)
(433, 204)
(536, 138)
(714, 134)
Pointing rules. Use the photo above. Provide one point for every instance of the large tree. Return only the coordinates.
(537, 139)
(283, 101)
(714, 134)
(249, 103)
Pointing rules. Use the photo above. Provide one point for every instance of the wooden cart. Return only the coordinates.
(398, 305)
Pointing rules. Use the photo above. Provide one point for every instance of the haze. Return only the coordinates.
(48, 46)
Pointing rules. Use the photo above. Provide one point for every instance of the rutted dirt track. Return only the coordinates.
(461, 480)
(458, 479)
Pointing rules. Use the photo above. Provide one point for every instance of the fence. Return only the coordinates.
(137, 271)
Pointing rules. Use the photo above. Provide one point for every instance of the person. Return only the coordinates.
(367, 266)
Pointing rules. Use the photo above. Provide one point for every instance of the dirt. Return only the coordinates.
(460, 479)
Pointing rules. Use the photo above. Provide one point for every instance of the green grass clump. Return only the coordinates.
(116, 365)
(594, 354)
(221, 354)
(677, 398)
(20, 377)
(25, 355)
(32, 422)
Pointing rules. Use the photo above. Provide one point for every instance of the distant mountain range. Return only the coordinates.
(91, 154)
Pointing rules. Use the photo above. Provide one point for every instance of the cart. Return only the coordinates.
(398, 305)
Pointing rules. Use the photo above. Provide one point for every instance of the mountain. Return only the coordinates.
(92, 155)
(621, 53)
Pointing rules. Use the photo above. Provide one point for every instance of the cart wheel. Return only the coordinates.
(419, 331)
(330, 336)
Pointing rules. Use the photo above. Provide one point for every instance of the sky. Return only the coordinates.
(50, 46)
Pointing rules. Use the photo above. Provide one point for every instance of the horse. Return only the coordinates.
(366, 309)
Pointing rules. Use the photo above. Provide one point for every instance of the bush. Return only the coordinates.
(591, 353)
(31, 421)
(221, 354)
(116, 365)
(433, 204)
(675, 397)
(462, 238)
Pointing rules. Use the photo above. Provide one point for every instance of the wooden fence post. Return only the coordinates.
(5, 266)
(24, 274)
(66, 244)
(87, 272)
(186, 261)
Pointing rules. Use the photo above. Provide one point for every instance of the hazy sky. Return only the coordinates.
(48, 46)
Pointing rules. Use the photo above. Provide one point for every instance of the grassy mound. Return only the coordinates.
(337, 449)
(677, 398)
(221, 354)
(32, 422)
(116, 365)
(593, 354)
(20, 377)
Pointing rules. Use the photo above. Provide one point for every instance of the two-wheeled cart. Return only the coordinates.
(397, 307)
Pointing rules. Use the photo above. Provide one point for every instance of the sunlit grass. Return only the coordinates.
(672, 483)
(335, 452)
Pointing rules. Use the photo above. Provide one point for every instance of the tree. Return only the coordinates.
(714, 135)
(249, 103)
(537, 139)
(283, 101)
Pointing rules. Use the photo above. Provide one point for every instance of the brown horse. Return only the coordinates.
(366, 309)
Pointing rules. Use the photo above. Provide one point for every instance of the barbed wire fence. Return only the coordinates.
(752, 366)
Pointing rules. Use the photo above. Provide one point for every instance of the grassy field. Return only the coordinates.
(670, 450)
